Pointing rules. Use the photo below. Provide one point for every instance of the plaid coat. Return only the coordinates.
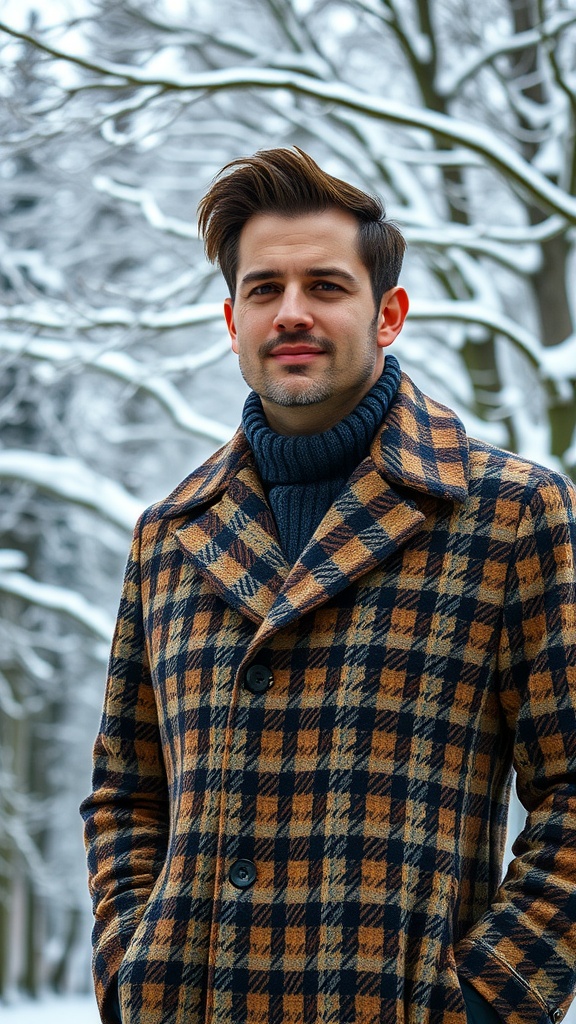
(327, 849)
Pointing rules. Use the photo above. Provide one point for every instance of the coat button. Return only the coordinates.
(242, 874)
(258, 679)
(556, 1015)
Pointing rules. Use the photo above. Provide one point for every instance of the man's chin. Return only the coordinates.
(300, 394)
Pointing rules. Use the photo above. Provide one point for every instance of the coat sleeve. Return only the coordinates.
(521, 956)
(126, 815)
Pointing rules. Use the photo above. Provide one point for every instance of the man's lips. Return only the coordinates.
(296, 353)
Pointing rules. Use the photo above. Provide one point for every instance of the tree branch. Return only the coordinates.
(145, 200)
(72, 481)
(474, 313)
(58, 599)
(473, 136)
(59, 316)
(450, 84)
(121, 366)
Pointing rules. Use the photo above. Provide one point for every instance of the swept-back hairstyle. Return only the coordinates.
(290, 183)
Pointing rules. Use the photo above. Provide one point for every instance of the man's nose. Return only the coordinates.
(293, 313)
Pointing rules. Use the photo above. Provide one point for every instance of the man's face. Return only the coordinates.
(309, 339)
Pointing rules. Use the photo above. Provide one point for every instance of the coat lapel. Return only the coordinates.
(418, 458)
(367, 523)
(226, 528)
(423, 446)
(234, 545)
(229, 533)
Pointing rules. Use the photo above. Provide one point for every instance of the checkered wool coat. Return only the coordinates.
(423, 644)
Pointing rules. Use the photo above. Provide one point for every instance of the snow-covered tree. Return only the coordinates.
(116, 378)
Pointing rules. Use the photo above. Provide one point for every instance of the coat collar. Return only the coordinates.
(231, 536)
(421, 445)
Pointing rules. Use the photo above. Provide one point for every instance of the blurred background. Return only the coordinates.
(116, 376)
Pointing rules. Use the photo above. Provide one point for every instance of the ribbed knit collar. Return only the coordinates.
(334, 453)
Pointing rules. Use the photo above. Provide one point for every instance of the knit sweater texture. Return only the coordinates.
(302, 475)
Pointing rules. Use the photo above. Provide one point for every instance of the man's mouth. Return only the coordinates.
(297, 352)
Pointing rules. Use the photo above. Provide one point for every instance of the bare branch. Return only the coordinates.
(473, 136)
(73, 481)
(150, 379)
(58, 599)
(60, 316)
(443, 236)
(145, 200)
(474, 313)
(450, 83)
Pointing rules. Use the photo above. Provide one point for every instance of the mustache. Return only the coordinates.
(292, 337)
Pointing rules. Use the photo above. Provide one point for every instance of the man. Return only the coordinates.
(335, 639)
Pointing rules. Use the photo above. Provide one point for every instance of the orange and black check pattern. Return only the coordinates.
(423, 644)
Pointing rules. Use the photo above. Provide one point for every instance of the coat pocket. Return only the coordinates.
(162, 976)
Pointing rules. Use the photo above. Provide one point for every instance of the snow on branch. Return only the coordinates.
(194, 361)
(11, 558)
(38, 268)
(127, 105)
(474, 313)
(60, 316)
(70, 353)
(73, 481)
(120, 365)
(466, 235)
(451, 83)
(145, 200)
(525, 260)
(470, 135)
(123, 367)
(58, 599)
(434, 157)
(559, 361)
(542, 232)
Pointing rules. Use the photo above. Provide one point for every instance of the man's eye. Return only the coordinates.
(327, 286)
(263, 289)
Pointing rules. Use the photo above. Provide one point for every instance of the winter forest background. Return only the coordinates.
(116, 376)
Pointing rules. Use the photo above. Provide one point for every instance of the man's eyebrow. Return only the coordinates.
(260, 275)
(345, 275)
(267, 275)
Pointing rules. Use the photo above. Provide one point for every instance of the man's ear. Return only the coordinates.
(229, 318)
(391, 315)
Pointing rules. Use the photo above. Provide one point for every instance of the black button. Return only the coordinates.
(258, 679)
(242, 874)
(557, 1015)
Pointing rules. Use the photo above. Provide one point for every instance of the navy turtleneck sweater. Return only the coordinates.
(303, 475)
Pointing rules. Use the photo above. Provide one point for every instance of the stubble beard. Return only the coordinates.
(311, 393)
(315, 391)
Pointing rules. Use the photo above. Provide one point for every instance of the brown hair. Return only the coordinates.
(290, 183)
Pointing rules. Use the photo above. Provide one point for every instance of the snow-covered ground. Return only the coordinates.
(72, 1010)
